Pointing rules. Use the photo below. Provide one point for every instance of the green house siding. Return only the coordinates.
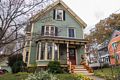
(62, 25)
(63, 54)
(80, 52)
(33, 53)
(42, 63)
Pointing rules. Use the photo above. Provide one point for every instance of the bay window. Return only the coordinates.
(47, 51)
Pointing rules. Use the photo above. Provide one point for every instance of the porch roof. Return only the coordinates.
(63, 39)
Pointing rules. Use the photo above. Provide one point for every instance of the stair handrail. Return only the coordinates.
(88, 68)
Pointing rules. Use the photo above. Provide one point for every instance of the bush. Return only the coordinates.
(43, 75)
(72, 77)
(16, 63)
(54, 67)
(106, 65)
(17, 66)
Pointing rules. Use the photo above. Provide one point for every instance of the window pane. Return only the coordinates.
(42, 51)
(37, 51)
(47, 30)
(56, 52)
(26, 59)
(60, 14)
(52, 31)
(71, 33)
(49, 49)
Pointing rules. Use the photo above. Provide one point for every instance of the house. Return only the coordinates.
(114, 48)
(54, 34)
(104, 57)
(98, 54)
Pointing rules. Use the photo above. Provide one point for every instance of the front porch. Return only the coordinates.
(63, 50)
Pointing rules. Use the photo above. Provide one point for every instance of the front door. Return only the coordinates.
(72, 56)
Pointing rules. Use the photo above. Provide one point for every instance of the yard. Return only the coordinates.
(109, 73)
(10, 76)
(24, 75)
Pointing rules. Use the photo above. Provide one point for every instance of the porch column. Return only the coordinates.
(53, 50)
(39, 51)
(58, 53)
(67, 53)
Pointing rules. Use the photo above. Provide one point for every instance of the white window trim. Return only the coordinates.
(74, 32)
(56, 14)
(49, 30)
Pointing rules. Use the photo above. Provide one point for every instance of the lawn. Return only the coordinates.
(18, 76)
(108, 73)
(23, 76)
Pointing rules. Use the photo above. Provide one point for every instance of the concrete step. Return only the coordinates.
(79, 66)
(80, 69)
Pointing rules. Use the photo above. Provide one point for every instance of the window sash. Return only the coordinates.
(71, 32)
(26, 58)
(49, 30)
(58, 12)
(49, 51)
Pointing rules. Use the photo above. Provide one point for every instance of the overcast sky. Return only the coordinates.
(92, 11)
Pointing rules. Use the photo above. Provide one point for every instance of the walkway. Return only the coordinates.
(94, 77)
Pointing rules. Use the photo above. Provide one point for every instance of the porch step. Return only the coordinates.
(81, 70)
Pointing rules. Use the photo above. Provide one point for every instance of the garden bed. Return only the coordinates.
(108, 73)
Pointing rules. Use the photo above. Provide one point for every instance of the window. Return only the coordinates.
(26, 59)
(45, 51)
(42, 55)
(50, 30)
(56, 52)
(49, 51)
(37, 51)
(59, 14)
(71, 32)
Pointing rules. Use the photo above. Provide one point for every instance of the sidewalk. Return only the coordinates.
(94, 77)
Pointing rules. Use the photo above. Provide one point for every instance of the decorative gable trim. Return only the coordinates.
(41, 13)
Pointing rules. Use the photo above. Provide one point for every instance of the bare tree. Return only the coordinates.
(14, 16)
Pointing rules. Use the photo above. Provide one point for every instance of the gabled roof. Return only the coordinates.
(77, 18)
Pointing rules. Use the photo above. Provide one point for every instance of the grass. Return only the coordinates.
(108, 73)
(18, 76)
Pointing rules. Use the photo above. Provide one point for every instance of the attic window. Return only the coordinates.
(59, 14)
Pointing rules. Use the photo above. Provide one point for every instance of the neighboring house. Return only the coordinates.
(57, 35)
(104, 57)
(4, 64)
(114, 48)
(92, 54)
(98, 54)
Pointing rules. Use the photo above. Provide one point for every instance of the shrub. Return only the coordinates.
(72, 77)
(106, 65)
(17, 66)
(54, 67)
(43, 75)
(16, 63)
